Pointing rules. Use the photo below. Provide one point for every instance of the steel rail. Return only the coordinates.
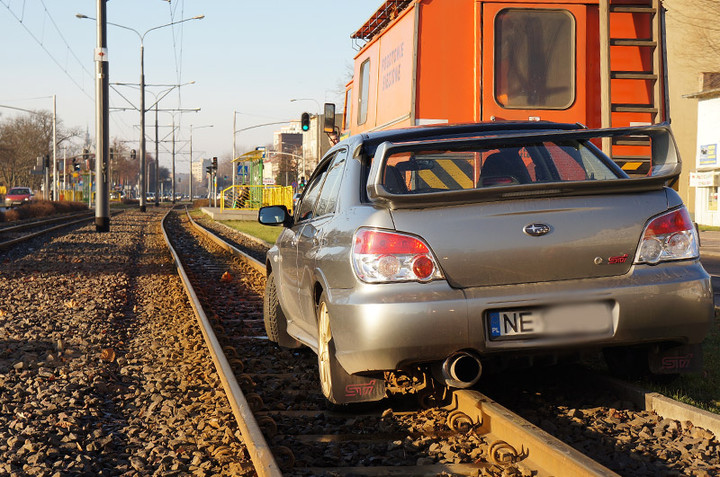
(256, 264)
(260, 453)
(514, 439)
(9, 243)
(35, 223)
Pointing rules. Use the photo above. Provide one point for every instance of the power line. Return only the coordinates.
(67, 45)
(39, 41)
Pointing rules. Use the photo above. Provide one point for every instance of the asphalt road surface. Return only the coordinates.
(712, 265)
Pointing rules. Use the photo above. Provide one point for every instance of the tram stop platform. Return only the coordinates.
(216, 213)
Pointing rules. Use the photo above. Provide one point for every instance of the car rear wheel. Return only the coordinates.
(336, 384)
(274, 317)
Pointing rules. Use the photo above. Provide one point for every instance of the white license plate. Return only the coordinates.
(515, 324)
(571, 320)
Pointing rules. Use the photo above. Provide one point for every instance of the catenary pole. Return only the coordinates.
(55, 171)
(102, 114)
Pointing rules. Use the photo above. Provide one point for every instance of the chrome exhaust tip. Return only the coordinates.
(461, 370)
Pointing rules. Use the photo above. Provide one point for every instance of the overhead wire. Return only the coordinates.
(178, 52)
(39, 40)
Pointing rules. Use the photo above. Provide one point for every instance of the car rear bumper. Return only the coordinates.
(386, 327)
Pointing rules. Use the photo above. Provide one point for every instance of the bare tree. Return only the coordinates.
(700, 33)
(23, 139)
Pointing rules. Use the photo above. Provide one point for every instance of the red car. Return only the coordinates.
(18, 196)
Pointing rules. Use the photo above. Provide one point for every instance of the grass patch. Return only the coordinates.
(708, 228)
(40, 208)
(250, 227)
(700, 390)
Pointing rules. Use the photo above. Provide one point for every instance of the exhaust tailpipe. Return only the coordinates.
(461, 370)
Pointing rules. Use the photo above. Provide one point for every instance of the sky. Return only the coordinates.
(247, 58)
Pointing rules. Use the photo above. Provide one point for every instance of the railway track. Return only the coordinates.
(289, 428)
(11, 235)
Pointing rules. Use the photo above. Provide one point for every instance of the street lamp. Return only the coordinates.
(141, 37)
(191, 156)
(157, 151)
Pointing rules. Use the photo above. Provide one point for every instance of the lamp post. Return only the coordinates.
(317, 133)
(191, 156)
(141, 37)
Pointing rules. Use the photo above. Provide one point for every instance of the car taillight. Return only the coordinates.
(670, 236)
(382, 256)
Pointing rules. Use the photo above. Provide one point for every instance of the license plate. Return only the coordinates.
(569, 321)
(515, 324)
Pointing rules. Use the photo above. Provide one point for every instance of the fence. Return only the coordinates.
(252, 197)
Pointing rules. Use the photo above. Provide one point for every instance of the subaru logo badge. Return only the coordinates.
(536, 230)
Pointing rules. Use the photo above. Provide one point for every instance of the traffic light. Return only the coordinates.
(305, 121)
(214, 163)
(133, 154)
(209, 170)
(112, 153)
(75, 165)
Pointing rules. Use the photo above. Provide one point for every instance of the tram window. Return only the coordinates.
(364, 91)
(348, 109)
(534, 58)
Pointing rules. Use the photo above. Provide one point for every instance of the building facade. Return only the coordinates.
(706, 171)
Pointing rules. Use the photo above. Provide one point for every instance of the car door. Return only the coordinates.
(288, 250)
(312, 239)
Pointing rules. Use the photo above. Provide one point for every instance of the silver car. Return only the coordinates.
(444, 251)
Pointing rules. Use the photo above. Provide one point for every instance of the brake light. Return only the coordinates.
(670, 236)
(383, 256)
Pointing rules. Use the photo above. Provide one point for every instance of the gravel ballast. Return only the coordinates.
(103, 370)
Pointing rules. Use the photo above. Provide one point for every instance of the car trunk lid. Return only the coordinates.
(492, 243)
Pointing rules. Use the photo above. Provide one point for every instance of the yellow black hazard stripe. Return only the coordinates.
(634, 166)
(450, 174)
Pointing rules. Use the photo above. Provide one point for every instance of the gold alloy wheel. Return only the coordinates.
(324, 337)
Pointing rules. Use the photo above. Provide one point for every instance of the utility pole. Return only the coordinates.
(54, 173)
(173, 160)
(157, 159)
(102, 115)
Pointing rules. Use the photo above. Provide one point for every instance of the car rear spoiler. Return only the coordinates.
(665, 168)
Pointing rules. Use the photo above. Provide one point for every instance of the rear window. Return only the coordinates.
(441, 171)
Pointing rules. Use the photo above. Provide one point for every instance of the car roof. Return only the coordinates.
(372, 140)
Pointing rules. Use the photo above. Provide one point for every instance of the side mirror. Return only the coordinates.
(275, 215)
(329, 114)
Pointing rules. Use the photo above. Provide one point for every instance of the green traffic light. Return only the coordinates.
(305, 121)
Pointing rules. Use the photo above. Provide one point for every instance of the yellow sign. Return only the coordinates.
(249, 156)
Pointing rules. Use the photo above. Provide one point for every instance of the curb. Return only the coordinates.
(666, 407)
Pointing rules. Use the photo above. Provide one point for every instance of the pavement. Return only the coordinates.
(710, 258)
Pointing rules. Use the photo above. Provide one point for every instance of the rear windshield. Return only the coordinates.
(441, 171)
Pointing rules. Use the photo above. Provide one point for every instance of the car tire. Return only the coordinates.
(274, 317)
(336, 384)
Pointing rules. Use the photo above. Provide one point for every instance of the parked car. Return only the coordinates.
(446, 250)
(19, 196)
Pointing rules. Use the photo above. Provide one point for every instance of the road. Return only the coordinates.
(712, 265)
